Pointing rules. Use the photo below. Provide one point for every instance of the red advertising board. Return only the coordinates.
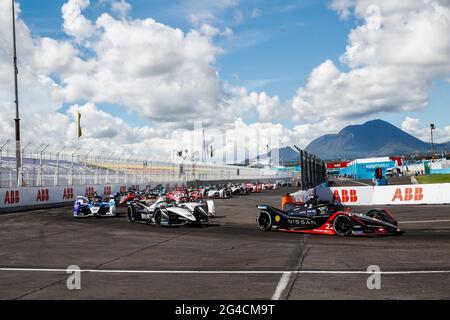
(337, 165)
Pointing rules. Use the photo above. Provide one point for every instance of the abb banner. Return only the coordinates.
(412, 194)
(387, 195)
(354, 196)
(34, 196)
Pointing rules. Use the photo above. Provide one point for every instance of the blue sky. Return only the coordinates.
(275, 46)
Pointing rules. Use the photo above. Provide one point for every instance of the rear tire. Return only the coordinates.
(158, 218)
(375, 214)
(343, 225)
(264, 221)
(131, 215)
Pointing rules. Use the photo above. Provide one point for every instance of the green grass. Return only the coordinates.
(435, 178)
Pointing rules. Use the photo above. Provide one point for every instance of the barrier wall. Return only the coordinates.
(387, 195)
(11, 198)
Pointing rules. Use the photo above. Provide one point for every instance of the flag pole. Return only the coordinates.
(17, 119)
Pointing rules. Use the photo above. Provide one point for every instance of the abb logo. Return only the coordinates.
(68, 193)
(345, 195)
(90, 192)
(12, 197)
(409, 194)
(107, 190)
(42, 195)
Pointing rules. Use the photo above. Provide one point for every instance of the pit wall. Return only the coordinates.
(387, 195)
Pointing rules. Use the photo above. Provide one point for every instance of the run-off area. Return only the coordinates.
(229, 259)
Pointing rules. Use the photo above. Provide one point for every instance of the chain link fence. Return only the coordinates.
(84, 168)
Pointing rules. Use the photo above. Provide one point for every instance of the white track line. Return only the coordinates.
(222, 272)
(424, 221)
(282, 284)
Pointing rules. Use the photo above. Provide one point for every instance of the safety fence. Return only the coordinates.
(41, 169)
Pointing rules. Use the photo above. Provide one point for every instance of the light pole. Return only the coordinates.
(41, 171)
(85, 165)
(432, 127)
(1, 150)
(20, 178)
(71, 165)
(16, 91)
(56, 183)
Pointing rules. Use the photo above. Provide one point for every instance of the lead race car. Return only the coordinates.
(163, 213)
(94, 207)
(327, 218)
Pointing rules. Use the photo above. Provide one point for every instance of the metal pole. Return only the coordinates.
(20, 179)
(71, 166)
(56, 183)
(432, 144)
(1, 157)
(41, 171)
(16, 91)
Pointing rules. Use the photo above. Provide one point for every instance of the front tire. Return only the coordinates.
(264, 221)
(343, 225)
(158, 218)
(131, 217)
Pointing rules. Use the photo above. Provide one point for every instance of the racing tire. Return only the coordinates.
(375, 214)
(131, 216)
(158, 218)
(264, 221)
(343, 226)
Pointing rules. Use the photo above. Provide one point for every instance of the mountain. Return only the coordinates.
(286, 154)
(373, 138)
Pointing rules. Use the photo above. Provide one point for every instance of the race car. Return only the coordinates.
(94, 207)
(238, 189)
(222, 193)
(162, 213)
(327, 218)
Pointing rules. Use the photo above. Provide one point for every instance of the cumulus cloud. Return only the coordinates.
(393, 58)
(75, 24)
(414, 127)
(122, 8)
(170, 77)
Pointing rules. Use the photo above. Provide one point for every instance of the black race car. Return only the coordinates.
(327, 218)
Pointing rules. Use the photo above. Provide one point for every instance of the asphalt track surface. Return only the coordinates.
(230, 259)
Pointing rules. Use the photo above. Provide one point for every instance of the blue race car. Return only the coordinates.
(95, 207)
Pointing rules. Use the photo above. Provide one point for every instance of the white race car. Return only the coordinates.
(162, 213)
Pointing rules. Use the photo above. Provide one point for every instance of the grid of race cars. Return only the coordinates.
(182, 206)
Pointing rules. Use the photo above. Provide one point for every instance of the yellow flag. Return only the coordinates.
(80, 132)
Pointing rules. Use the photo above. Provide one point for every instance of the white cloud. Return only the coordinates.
(256, 12)
(414, 127)
(122, 8)
(394, 57)
(75, 24)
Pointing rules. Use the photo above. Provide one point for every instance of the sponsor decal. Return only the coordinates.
(68, 194)
(12, 197)
(345, 196)
(107, 190)
(42, 195)
(408, 194)
(90, 192)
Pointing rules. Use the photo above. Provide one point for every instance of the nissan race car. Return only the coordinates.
(328, 219)
(94, 207)
(162, 213)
